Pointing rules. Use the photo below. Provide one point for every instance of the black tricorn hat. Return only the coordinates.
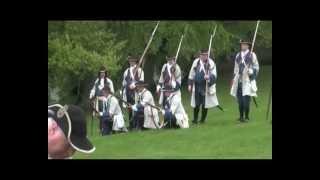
(78, 136)
(204, 51)
(103, 69)
(245, 42)
(132, 58)
(72, 117)
(55, 113)
(170, 58)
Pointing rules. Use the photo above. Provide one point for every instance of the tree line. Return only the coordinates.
(77, 49)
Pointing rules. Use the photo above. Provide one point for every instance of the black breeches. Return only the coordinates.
(131, 121)
(203, 114)
(244, 102)
(106, 127)
(138, 120)
(171, 122)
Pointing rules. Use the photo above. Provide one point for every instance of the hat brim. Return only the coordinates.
(170, 58)
(63, 121)
(133, 60)
(82, 144)
(141, 85)
(249, 43)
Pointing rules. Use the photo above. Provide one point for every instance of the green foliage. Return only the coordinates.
(76, 52)
(165, 42)
(77, 49)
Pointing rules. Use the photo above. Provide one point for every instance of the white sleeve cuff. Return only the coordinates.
(173, 84)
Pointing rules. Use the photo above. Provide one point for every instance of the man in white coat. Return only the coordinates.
(111, 115)
(145, 116)
(202, 85)
(128, 85)
(170, 77)
(173, 112)
(246, 68)
(96, 90)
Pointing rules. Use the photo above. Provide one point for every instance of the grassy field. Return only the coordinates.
(221, 137)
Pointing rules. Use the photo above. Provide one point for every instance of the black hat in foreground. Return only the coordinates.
(76, 123)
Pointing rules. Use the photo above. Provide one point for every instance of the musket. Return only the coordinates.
(254, 37)
(253, 41)
(210, 42)
(128, 104)
(251, 50)
(145, 50)
(209, 50)
(156, 107)
(220, 108)
(269, 102)
(173, 68)
(182, 36)
(120, 99)
(211, 37)
(176, 57)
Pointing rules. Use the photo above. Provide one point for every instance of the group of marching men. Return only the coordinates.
(140, 104)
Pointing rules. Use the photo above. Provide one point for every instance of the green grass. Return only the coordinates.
(221, 137)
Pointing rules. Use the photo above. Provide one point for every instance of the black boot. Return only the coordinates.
(130, 124)
(241, 120)
(140, 123)
(204, 114)
(240, 99)
(100, 125)
(241, 114)
(195, 115)
(247, 112)
(130, 119)
(247, 115)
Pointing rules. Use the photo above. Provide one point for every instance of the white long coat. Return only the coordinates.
(249, 88)
(178, 79)
(178, 111)
(115, 112)
(124, 82)
(149, 112)
(93, 91)
(211, 99)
